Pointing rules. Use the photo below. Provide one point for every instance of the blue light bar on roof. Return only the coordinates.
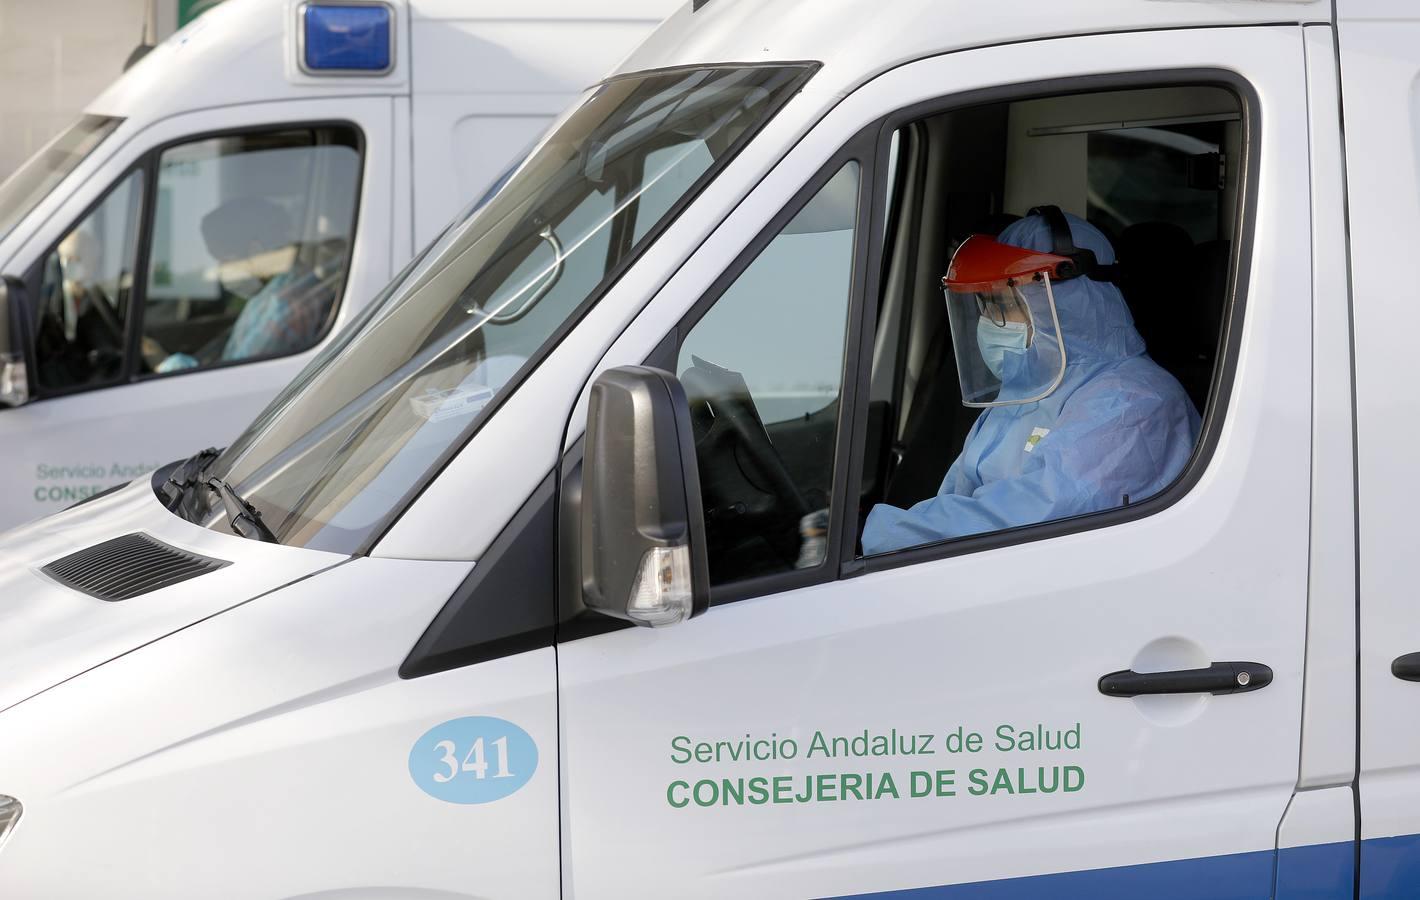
(349, 38)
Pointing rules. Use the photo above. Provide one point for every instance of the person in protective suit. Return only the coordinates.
(1076, 418)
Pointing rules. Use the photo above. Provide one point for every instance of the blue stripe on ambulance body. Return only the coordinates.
(1317, 872)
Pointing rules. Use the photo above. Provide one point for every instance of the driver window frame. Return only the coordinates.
(870, 147)
(148, 164)
(1230, 339)
(33, 279)
(862, 149)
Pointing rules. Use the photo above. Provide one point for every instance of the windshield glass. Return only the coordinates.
(23, 190)
(333, 458)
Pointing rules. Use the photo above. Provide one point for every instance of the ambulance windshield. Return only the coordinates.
(33, 181)
(336, 455)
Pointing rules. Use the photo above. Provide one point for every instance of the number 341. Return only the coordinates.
(473, 761)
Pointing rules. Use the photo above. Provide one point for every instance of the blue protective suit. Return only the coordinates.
(1118, 425)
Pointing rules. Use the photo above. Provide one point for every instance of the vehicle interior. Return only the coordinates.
(84, 288)
(1157, 170)
(234, 215)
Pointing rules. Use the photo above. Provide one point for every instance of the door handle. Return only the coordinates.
(1407, 667)
(1219, 678)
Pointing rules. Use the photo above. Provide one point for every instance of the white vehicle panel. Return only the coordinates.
(767, 30)
(1380, 72)
(464, 142)
(240, 51)
(1329, 714)
(52, 632)
(270, 747)
(491, 78)
(1018, 635)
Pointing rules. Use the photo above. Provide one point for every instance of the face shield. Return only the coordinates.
(1005, 331)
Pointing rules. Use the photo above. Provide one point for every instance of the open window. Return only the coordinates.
(1154, 175)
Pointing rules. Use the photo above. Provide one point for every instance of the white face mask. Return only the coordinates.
(998, 342)
(76, 268)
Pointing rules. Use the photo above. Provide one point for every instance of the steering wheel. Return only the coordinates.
(742, 477)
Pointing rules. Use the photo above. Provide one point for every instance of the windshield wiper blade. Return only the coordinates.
(245, 519)
(185, 474)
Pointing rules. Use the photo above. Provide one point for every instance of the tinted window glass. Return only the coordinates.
(24, 189)
(1097, 374)
(763, 370)
(251, 240)
(84, 294)
(338, 454)
(1152, 174)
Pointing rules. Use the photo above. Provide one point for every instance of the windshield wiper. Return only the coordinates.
(184, 475)
(245, 519)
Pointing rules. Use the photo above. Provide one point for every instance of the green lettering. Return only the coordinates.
(759, 790)
(670, 794)
(783, 790)
(808, 793)
(885, 786)
(1005, 738)
(919, 784)
(698, 793)
(852, 784)
(680, 749)
(732, 790)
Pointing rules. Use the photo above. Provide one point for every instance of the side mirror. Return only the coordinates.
(642, 528)
(15, 344)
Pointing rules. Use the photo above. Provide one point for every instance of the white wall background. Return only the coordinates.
(56, 56)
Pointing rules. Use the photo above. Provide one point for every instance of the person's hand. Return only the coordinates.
(176, 362)
(813, 540)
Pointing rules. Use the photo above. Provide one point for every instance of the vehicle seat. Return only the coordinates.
(1208, 282)
(1169, 288)
(1154, 259)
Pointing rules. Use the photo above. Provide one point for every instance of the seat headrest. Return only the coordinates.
(244, 227)
(1148, 247)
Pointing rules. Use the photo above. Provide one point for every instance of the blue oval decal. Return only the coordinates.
(476, 759)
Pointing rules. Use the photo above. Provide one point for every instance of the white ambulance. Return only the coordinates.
(180, 252)
(389, 643)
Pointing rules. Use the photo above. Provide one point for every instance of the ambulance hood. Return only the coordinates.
(50, 632)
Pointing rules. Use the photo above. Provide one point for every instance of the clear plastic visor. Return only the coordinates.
(1006, 336)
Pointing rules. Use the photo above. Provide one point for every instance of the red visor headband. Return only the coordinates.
(982, 262)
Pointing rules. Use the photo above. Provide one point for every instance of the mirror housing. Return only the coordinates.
(642, 542)
(16, 347)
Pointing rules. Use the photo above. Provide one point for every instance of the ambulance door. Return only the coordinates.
(1380, 71)
(172, 302)
(1108, 705)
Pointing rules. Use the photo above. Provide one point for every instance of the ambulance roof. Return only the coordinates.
(244, 51)
(856, 39)
(241, 51)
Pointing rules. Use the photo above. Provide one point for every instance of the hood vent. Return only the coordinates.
(128, 566)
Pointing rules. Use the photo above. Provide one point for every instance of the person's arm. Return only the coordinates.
(1111, 444)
